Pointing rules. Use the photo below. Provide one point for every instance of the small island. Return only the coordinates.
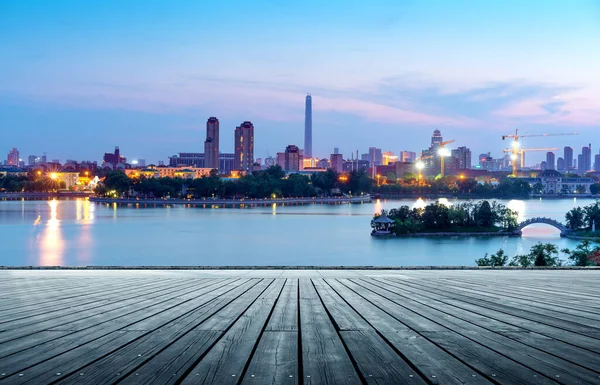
(436, 219)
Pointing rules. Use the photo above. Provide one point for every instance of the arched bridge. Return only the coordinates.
(549, 221)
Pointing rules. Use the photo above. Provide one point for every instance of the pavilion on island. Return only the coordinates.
(383, 225)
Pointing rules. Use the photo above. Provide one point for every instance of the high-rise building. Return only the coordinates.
(337, 162)
(376, 156)
(308, 127)
(585, 164)
(436, 139)
(32, 160)
(597, 163)
(544, 165)
(463, 157)
(389, 158)
(408, 156)
(269, 161)
(568, 156)
(13, 157)
(244, 146)
(560, 164)
(292, 159)
(211, 144)
(114, 158)
(550, 164)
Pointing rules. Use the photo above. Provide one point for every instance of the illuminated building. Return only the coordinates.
(244, 146)
(389, 158)
(408, 156)
(461, 157)
(211, 144)
(585, 159)
(13, 158)
(292, 159)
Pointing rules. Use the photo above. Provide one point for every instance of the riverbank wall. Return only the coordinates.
(234, 202)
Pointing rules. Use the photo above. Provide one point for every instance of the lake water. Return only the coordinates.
(80, 233)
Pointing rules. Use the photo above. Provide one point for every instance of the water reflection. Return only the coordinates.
(377, 207)
(519, 207)
(419, 204)
(52, 245)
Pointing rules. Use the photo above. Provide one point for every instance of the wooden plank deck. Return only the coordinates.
(299, 327)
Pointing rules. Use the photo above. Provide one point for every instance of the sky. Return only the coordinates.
(80, 77)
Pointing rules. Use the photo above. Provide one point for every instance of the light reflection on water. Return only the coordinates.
(83, 233)
(52, 245)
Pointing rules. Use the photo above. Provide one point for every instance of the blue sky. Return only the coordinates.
(78, 77)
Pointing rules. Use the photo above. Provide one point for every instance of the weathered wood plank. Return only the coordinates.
(324, 358)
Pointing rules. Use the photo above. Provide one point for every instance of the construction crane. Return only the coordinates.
(515, 146)
(522, 152)
(443, 153)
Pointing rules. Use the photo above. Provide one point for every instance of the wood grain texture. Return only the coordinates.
(300, 327)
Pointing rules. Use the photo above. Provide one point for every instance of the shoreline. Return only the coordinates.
(449, 234)
(233, 202)
(283, 267)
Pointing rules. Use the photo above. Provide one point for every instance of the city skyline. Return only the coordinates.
(387, 74)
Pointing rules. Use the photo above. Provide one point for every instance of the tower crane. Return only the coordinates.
(522, 152)
(515, 146)
(442, 152)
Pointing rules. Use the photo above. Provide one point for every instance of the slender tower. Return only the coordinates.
(211, 144)
(308, 127)
(244, 147)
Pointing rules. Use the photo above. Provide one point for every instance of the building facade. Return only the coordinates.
(244, 147)
(13, 158)
(408, 156)
(292, 159)
(308, 127)
(585, 159)
(560, 164)
(462, 156)
(568, 157)
(337, 162)
(211, 144)
(554, 183)
(550, 163)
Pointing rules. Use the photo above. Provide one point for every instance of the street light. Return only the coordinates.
(420, 166)
(378, 176)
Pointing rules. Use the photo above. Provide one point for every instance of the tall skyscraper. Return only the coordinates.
(568, 157)
(308, 127)
(337, 162)
(586, 158)
(376, 156)
(13, 157)
(560, 164)
(550, 164)
(436, 139)
(597, 163)
(244, 146)
(292, 159)
(463, 158)
(211, 144)
(408, 156)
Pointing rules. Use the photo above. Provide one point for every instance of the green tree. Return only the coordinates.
(595, 188)
(498, 259)
(118, 181)
(484, 216)
(544, 254)
(575, 218)
(583, 254)
(580, 189)
(537, 188)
